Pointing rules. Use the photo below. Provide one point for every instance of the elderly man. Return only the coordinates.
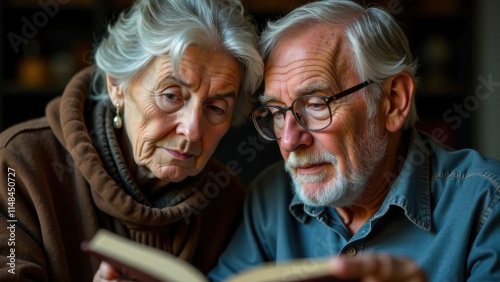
(359, 183)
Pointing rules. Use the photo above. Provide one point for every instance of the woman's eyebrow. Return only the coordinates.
(230, 94)
(169, 78)
(164, 79)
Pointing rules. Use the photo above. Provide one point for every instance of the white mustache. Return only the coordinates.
(306, 159)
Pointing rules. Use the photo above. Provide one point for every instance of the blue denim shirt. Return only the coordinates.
(442, 210)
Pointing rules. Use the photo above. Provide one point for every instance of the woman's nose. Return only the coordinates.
(190, 124)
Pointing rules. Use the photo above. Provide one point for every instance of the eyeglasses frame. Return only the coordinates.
(327, 100)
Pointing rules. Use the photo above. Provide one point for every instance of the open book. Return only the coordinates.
(148, 264)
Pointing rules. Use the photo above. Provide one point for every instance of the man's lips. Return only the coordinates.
(310, 169)
(180, 155)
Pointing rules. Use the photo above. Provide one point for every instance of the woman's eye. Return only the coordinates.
(216, 109)
(170, 96)
(169, 100)
(216, 112)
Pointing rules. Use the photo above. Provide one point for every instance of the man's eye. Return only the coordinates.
(278, 114)
(316, 107)
(312, 103)
(275, 112)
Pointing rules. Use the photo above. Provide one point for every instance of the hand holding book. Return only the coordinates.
(148, 264)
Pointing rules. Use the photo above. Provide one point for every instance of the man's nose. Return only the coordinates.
(293, 134)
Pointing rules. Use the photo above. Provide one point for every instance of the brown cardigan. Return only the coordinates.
(63, 194)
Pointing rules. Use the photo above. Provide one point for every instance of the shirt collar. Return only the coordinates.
(409, 191)
(411, 188)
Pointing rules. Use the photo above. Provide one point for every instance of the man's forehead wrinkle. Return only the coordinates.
(300, 65)
(325, 66)
(314, 63)
(340, 56)
(337, 54)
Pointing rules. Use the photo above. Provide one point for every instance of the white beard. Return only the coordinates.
(344, 187)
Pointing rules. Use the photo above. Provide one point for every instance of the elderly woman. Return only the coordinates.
(128, 145)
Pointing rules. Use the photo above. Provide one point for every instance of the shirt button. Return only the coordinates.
(351, 251)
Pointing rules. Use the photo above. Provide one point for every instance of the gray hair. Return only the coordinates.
(152, 28)
(378, 44)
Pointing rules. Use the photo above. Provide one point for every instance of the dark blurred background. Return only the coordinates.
(44, 42)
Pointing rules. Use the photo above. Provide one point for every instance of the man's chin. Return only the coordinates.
(309, 191)
(309, 199)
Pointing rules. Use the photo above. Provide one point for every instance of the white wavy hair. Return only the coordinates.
(151, 28)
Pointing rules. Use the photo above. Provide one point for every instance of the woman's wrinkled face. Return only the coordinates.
(175, 121)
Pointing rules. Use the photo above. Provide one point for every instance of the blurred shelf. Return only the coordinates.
(439, 33)
(14, 89)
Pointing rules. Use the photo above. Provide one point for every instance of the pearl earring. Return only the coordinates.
(117, 120)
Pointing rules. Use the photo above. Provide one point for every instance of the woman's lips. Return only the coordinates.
(180, 155)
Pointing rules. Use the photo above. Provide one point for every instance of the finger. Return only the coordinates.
(355, 267)
(378, 267)
(416, 274)
(106, 273)
(399, 269)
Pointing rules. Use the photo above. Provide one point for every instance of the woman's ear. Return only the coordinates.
(398, 94)
(115, 91)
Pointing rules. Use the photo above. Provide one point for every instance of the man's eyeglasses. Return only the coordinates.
(312, 112)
